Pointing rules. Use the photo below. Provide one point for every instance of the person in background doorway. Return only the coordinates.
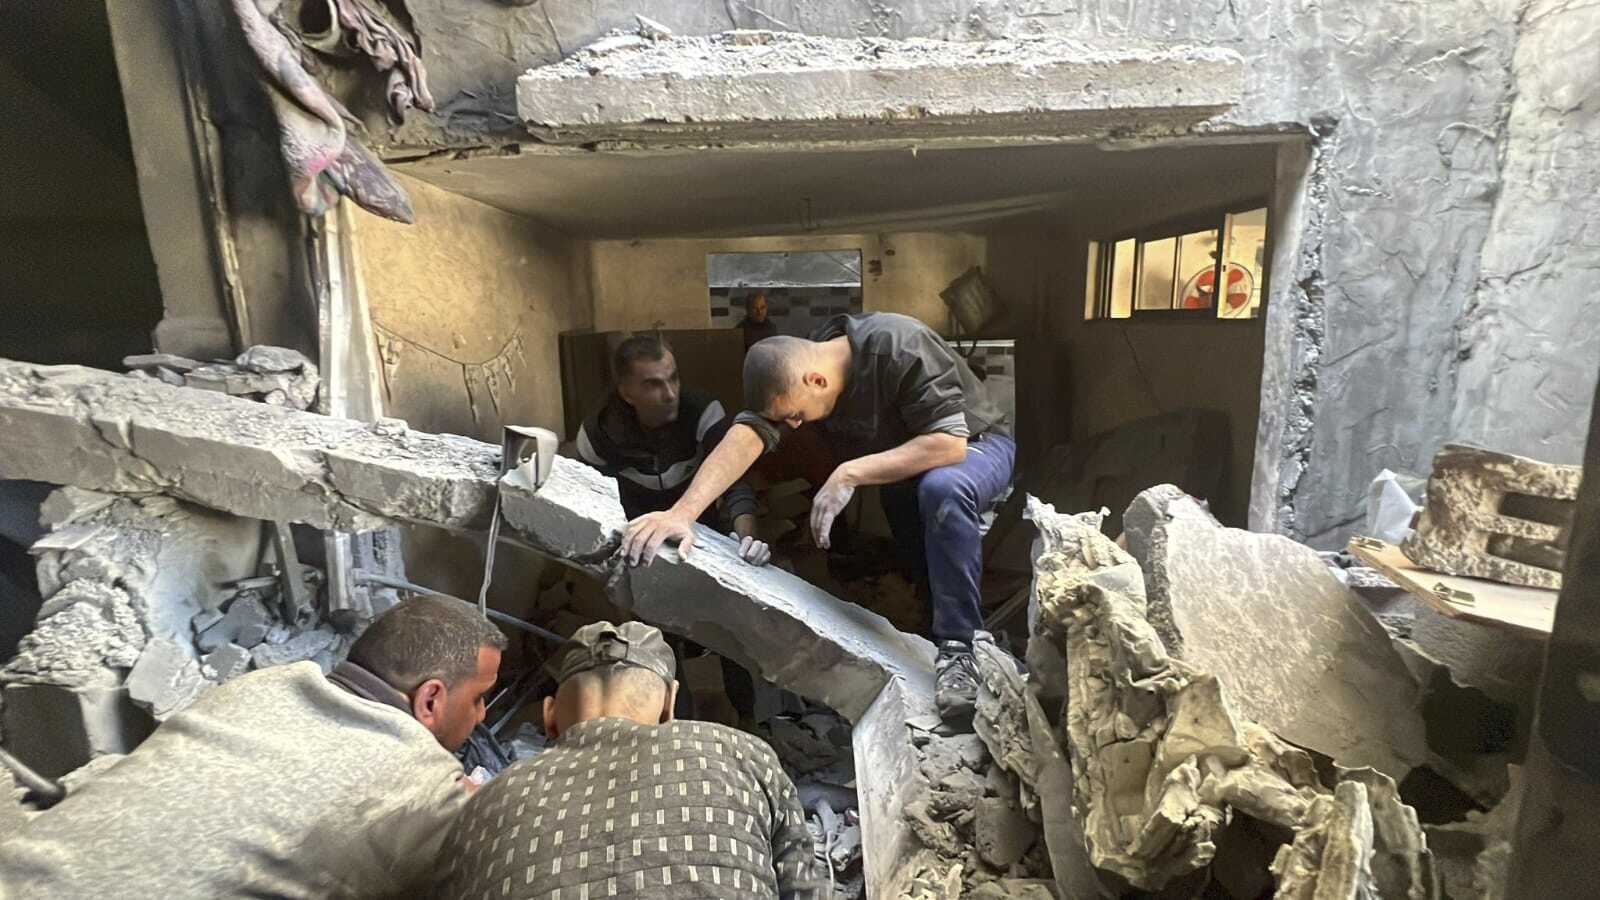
(652, 437)
(627, 802)
(903, 411)
(755, 324)
(283, 782)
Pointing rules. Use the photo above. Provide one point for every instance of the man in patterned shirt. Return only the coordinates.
(629, 803)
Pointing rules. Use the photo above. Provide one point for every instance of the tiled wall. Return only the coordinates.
(795, 310)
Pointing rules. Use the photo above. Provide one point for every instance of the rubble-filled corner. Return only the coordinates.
(1171, 786)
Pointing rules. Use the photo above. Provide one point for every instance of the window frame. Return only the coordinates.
(1215, 219)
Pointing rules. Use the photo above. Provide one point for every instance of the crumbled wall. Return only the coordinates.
(1431, 133)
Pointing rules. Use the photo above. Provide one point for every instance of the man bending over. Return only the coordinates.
(905, 412)
(627, 802)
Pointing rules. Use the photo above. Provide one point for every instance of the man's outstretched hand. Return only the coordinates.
(645, 535)
(753, 550)
(830, 500)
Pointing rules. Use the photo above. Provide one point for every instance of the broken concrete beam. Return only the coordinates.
(1160, 760)
(775, 86)
(56, 729)
(1497, 516)
(780, 627)
(95, 429)
(1300, 653)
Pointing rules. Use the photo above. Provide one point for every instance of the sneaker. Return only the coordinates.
(956, 688)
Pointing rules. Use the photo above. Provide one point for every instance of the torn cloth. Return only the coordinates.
(390, 51)
(323, 159)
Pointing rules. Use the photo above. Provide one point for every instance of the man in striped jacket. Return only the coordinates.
(652, 437)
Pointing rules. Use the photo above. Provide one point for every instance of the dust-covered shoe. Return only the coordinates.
(956, 687)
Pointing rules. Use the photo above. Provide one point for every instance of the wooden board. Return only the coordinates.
(1526, 609)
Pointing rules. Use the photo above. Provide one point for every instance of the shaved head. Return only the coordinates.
(615, 691)
(772, 367)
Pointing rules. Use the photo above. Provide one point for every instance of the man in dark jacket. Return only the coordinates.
(652, 437)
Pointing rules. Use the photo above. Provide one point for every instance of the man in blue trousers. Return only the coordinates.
(903, 411)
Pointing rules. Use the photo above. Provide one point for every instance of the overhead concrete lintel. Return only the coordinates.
(767, 87)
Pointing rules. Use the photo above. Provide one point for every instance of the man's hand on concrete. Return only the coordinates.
(753, 550)
(831, 499)
(645, 535)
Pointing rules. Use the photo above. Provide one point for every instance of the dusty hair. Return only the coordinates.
(425, 638)
(770, 370)
(650, 347)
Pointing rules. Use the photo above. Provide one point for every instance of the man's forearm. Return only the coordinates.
(745, 526)
(734, 455)
(918, 455)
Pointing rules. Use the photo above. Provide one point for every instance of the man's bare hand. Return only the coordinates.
(753, 550)
(831, 499)
(645, 535)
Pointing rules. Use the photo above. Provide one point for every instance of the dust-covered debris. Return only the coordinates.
(1299, 652)
(273, 375)
(1496, 516)
(1162, 763)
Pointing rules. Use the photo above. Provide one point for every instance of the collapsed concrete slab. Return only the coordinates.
(765, 86)
(1162, 763)
(1303, 655)
(775, 624)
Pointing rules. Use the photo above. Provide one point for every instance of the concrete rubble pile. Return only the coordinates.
(147, 602)
(1172, 787)
(275, 375)
(114, 433)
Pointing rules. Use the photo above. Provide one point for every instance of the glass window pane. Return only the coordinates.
(1122, 258)
(1155, 274)
(1091, 282)
(1245, 249)
(1197, 266)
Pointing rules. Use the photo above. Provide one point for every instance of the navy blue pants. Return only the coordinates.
(934, 518)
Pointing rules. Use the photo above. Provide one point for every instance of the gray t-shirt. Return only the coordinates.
(904, 381)
(275, 784)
